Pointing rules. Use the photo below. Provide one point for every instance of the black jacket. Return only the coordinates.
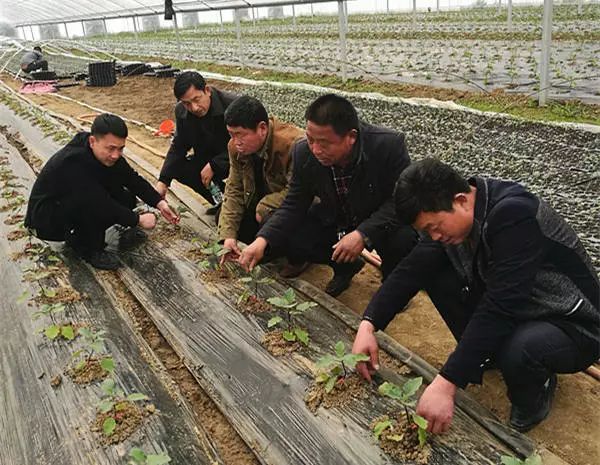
(381, 157)
(74, 170)
(526, 264)
(207, 136)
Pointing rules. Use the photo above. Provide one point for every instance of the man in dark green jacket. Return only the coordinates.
(87, 187)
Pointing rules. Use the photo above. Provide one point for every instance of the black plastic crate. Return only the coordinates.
(102, 74)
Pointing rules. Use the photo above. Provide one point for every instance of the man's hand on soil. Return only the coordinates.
(437, 405)
(234, 251)
(348, 248)
(147, 221)
(167, 213)
(365, 342)
(253, 254)
(206, 174)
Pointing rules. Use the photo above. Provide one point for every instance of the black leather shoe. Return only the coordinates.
(342, 278)
(130, 237)
(103, 260)
(213, 210)
(524, 419)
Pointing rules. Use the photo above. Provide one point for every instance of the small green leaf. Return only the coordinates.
(534, 459)
(390, 390)
(49, 292)
(85, 332)
(279, 302)
(80, 365)
(411, 387)
(138, 455)
(109, 426)
(351, 360)
(325, 362)
(23, 297)
(322, 378)
(396, 437)
(380, 427)
(97, 346)
(108, 364)
(54, 258)
(419, 421)
(52, 332)
(106, 405)
(422, 435)
(289, 336)
(289, 295)
(330, 384)
(136, 396)
(509, 460)
(160, 459)
(305, 306)
(67, 332)
(246, 279)
(340, 349)
(274, 321)
(301, 335)
(108, 386)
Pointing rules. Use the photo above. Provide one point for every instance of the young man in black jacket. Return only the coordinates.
(200, 127)
(340, 197)
(509, 277)
(87, 187)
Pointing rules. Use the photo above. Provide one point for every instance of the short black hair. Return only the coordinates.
(335, 111)
(246, 112)
(38, 48)
(107, 123)
(186, 80)
(427, 185)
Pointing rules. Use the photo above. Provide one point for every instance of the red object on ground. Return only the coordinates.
(38, 87)
(166, 128)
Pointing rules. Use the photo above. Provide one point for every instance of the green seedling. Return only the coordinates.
(54, 330)
(252, 281)
(113, 402)
(23, 297)
(93, 344)
(287, 302)
(534, 459)
(336, 367)
(405, 394)
(139, 457)
(183, 211)
(213, 253)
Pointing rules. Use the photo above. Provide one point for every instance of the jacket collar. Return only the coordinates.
(216, 104)
(482, 198)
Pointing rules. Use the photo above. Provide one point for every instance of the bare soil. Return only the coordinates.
(274, 342)
(401, 440)
(345, 391)
(254, 305)
(89, 373)
(17, 234)
(128, 419)
(14, 219)
(572, 429)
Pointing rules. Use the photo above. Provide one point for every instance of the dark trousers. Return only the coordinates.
(191, 178)
(35, 65)
(534, 351)
(248, 226)
(314, 240)
(81, 220)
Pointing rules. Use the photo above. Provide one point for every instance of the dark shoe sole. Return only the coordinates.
(295, 273)
(523, 428)
(339, 284)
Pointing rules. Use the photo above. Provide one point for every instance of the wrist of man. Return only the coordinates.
(444, 385)
(366, 241)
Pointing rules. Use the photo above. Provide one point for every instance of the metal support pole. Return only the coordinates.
(253, 18)
(414, 10)
(545, 58)
(83, 28)
(437, 5)
(176, 26)
(579, 7)
(346, 15)
(312, 11)
(238, 34)
(342, 27)
(66, 31)
(293, 15)
(31, 30)
(105, 28)
(509, 20)
(221, 18)
(135, 30)
(387, 6)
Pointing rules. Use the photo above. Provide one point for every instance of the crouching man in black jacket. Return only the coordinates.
(509, 277)
(340, 197)
(87, 187)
